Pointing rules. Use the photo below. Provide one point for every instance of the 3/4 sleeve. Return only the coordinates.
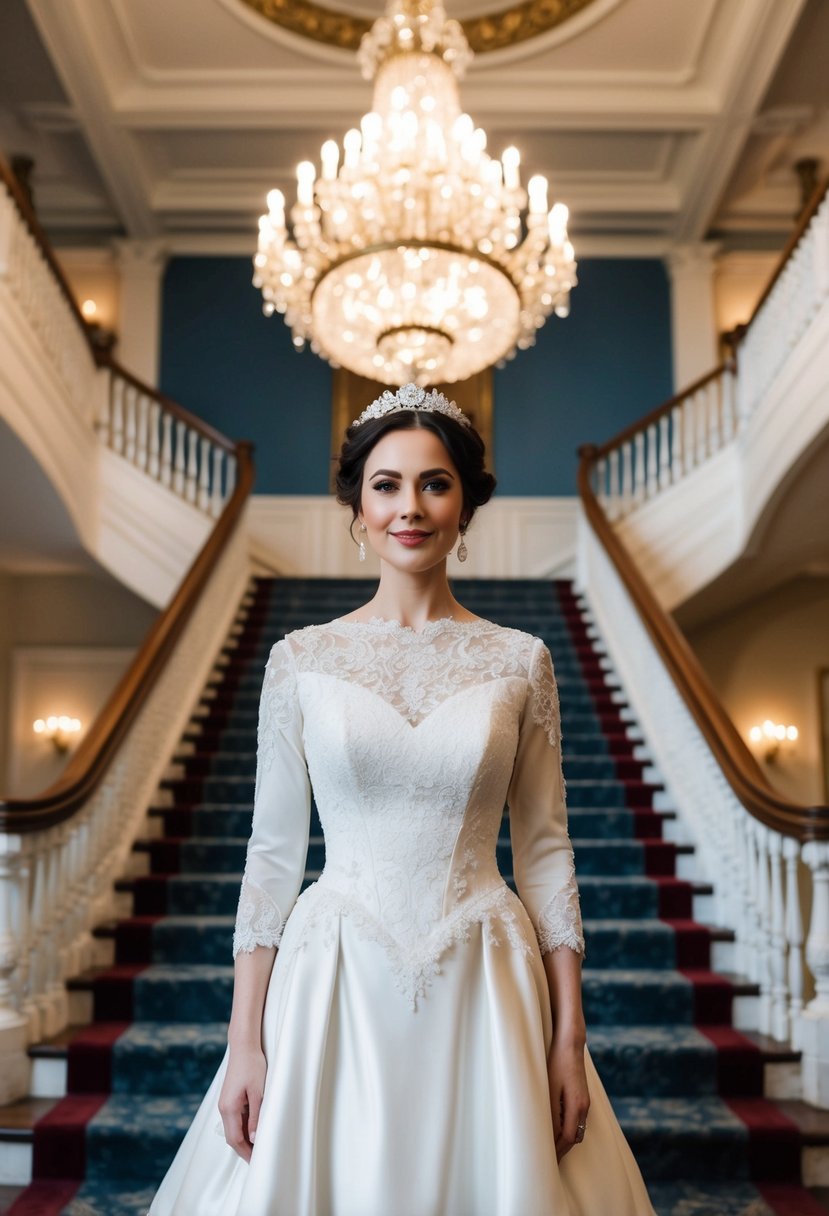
(543, 865)
(278, 847)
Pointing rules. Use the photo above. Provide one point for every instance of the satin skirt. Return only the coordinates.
(372, 1108)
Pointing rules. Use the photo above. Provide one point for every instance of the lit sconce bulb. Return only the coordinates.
(88, 309)
(770, 735)
(479, 138)
(511, 159)
(371, 125)
(330, 157)
(351, 147)
(537, 190)
(58, 729)
(305, 174)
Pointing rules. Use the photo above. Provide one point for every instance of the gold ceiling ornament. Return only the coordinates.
(488, 32)
(418, 257)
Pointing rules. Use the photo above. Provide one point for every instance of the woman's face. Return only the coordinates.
(410, 485)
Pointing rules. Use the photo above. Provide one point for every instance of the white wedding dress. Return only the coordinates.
(407, 1020)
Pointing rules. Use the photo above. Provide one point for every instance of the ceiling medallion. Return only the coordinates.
(410, 260)
(489, 32)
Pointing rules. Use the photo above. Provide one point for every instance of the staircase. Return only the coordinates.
(686, 1084)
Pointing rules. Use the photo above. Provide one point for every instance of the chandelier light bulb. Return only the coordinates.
(537, 190)
(411, 256)
(511, 159)
(329, 157)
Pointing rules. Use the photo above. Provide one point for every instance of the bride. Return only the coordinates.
(407, 1035)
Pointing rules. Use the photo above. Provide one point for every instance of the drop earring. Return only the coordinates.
(463, 552)
(362, 554)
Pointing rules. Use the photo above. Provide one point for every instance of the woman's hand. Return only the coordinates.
(241, 1097)
(569, 1098)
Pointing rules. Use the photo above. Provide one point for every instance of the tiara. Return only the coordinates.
(412, 397)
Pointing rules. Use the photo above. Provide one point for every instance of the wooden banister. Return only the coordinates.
(738, 765)
(94, 754)
(89, 762)
(101, 358)
(33, 224)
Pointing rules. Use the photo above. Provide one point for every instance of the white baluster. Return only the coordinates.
(615, 489)
(230, 475)
(627, 476)
(763, 927)
(700, 409)
(192, 466)
(102, 424)
(178, 471)
(653, 455)
(28, 1006)
(639, 468)
(131, 410)
(167, 449)
(117, 440)
(664, 451)
(715, 404)
(814, 1021)
(154, 445)
(14, 1026)
(729, 408)
(143, 442)
(676, 443)
(779, 991)
(687, 435)
(216, 496)
(204, 474)
(794, 938)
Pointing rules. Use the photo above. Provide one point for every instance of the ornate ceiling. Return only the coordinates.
(658, 123)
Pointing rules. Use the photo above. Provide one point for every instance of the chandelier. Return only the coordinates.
(408, 258)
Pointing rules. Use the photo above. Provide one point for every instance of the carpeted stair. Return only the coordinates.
(686, 1086)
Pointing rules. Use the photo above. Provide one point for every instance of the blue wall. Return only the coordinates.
(586, 378)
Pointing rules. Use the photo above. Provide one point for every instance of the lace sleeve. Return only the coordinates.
(544, 868)
(278, 845)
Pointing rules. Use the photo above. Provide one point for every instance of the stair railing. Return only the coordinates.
(61, 852)
(157, 436)
(673, 440)
(761, 850)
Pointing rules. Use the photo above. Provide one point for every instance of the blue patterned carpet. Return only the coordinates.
(685, 1085)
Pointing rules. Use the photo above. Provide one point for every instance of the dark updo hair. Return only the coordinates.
(463, 444)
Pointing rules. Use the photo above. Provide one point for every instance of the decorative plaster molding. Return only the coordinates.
(490, 31)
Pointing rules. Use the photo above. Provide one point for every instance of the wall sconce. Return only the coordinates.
(100, 336)
(59, 729)
(772, 736)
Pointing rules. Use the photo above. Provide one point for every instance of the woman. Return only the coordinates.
(418, 1047)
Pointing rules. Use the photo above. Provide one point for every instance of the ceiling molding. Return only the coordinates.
(64, 31)
(762, 31)
(488, 32)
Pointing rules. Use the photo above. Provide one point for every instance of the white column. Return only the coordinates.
(141, 265)
(693, 311)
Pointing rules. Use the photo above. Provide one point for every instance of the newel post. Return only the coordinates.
(814, 1022)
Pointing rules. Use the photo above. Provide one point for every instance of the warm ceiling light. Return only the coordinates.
(89, 310)
(408, 258)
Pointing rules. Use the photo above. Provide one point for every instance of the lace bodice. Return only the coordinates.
(412, 742)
